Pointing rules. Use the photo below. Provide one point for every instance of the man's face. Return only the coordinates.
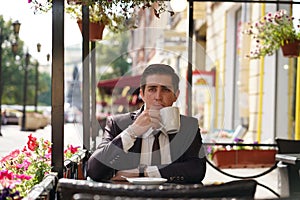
(159, 91)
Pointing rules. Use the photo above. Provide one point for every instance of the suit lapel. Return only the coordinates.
(172, 147)
(137, 147)
(182, 140)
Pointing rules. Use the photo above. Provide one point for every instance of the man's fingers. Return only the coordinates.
(155, 123)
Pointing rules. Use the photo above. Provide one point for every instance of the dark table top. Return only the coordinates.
(241, 188)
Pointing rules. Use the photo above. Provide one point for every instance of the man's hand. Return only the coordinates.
(130, 173)
(148, 118)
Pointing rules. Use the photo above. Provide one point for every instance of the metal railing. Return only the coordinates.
(253, 145)
(75, 166)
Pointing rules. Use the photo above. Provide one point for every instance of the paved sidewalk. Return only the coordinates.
(13, 138)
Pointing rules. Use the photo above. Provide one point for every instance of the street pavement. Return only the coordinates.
(13, 139)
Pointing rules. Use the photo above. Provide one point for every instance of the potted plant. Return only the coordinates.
(274, 31)
(97, 18)
(116, 15)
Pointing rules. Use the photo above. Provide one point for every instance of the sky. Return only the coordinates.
(37, 28)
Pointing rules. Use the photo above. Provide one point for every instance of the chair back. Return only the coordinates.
(288, 146)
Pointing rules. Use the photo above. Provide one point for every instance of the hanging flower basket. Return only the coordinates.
(291, 50)
(96, 30)
(107, 11)
(270, 32)
(244, 158)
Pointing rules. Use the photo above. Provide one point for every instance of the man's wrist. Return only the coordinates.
(131, 132)
(142, 168)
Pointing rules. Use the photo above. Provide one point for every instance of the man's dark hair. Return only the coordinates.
(159, 69)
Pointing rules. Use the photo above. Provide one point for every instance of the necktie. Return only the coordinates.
(156, 157)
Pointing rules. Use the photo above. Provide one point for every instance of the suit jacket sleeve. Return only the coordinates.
(110, 155)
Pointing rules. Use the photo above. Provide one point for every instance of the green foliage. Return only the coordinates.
(13, 72)
(44, 97)
(114, 54)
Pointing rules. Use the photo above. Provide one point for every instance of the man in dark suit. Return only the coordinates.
(126, 148)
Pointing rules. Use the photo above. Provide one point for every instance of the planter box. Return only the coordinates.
(244, 158)
(34, 121)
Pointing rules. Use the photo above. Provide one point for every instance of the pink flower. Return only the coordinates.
(23, 177)
(12, 155)
(15, 153)
(28, 153)
(24, 165)
(48, 155)
(5, 158)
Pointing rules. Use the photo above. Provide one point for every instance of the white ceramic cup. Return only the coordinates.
(170, 119)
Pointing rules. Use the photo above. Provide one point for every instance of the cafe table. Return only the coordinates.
(70, 188)
(293, 171)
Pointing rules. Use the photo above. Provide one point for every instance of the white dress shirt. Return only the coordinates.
(146, 151)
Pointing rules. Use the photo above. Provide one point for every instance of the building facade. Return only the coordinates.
(256, 94)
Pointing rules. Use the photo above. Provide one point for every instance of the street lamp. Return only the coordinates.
(38, 46)
(14, 48)
(16, 29)
(27, 57)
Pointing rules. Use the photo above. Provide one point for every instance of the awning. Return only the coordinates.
(121, 82)
(107, 86)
